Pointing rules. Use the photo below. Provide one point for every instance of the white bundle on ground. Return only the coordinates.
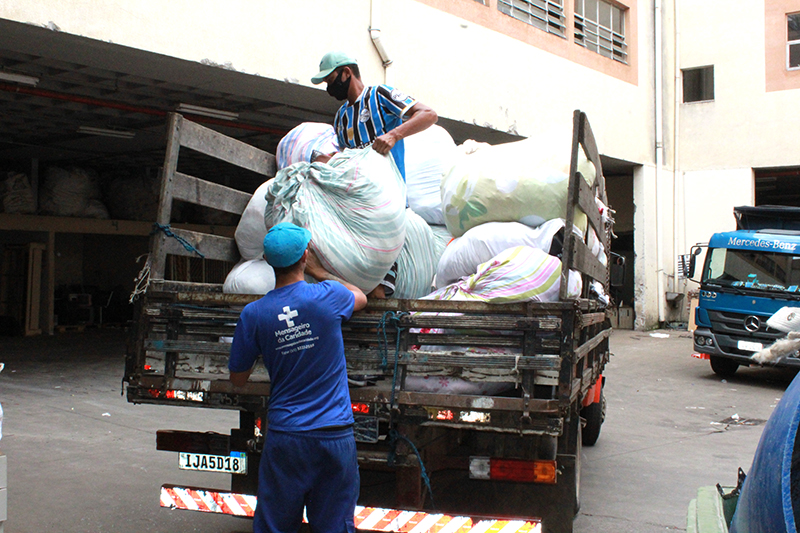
(253, 276)
(74, 193)
(251, 230)
(17, 194)
(517, 274)
(417, 262)
(429, 154)
(481, 243)
(297, 145)
(524, 181)
(354, 207)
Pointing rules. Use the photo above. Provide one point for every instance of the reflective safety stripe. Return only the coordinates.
(366, 518)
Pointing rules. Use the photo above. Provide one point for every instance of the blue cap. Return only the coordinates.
(285, 243)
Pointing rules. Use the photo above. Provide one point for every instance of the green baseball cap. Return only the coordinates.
(330, 62)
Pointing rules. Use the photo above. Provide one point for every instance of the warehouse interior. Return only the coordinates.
(95, 114)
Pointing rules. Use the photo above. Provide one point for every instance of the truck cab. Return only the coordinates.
(748, 275)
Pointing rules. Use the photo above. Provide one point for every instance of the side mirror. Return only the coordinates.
(693, 253)
(616, 270)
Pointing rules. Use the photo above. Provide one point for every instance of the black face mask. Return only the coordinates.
(338, 88)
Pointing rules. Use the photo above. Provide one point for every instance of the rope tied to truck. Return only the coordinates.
(167, 230)
(392, 318)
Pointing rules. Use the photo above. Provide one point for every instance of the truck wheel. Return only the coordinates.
(723, 367)
(594, 414)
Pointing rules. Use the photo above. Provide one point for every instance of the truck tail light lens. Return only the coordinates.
(360, 408)
(512, 470)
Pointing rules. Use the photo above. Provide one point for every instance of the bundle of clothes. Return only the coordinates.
(470, 222)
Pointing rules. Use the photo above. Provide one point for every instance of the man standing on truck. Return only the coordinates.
(309, 458)
(378, 115)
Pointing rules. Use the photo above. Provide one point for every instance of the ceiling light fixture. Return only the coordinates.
(122, 134)
(206, 112)
(18, 78)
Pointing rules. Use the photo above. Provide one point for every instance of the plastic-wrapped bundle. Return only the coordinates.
(17, 194)
(517, 274)
(297, 145)
(481, 243)
(429, 154)
(354, 207)
(251, 230)
(73, 193)
(417, 262)
(524, 181)
(253, 276)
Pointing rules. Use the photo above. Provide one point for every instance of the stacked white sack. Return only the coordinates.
(251, 230)
(253, 276)
(297, 145)
(524, 181)
(519, 274)
(71, 193)
(416, 265)
(481, 243)
(354, 207)
(429, 154)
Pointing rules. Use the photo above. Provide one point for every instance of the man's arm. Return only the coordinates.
(239, 379)
(420, 118)
(315, 269)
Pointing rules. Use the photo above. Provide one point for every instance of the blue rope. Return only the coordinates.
(392, 318)
(168, 232)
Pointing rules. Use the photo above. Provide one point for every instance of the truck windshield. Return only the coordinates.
(752, 269)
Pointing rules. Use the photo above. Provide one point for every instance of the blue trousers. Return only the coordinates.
(315, 469)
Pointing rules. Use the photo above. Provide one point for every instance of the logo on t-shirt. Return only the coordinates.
(287, 316)
(363, 116)
(398, 95)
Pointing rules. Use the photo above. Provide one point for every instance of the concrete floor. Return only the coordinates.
(82, 459)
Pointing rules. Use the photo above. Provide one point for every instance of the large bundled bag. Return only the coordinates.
(250, 277)
(354, 207)
(481, 243)
(251, 230)
(416, 265)
(429, 154)
(297, 145)
(524, 181)
(519, 274)
(16, 194)
(72, 193)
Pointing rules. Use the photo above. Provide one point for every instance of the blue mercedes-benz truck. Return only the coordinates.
(748, 275)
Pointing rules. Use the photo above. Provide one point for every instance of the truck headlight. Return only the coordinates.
(700, 341)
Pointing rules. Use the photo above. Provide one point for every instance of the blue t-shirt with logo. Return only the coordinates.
(378, 110)
(298, 331)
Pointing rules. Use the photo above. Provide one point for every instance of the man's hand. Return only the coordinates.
(385, 142)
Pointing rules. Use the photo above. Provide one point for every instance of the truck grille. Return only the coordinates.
(729, 328)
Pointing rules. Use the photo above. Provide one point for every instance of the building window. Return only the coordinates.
(547, 15)
(793, 41)
(698, 84)
(600, 27)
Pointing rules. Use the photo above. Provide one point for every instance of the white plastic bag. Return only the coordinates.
(481, 243)
(251, 230)
(250, 277)
(297, 145)
(428, 155)
(524, 181)
(17, 194)
(354, 207)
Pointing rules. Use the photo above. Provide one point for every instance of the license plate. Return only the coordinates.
(366, 428)
(235, 463)
(748, 346)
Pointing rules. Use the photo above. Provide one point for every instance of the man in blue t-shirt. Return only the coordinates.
(309, 458)
(380, 115)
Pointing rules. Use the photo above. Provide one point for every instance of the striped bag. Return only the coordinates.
(354, 207)
(517, 274)
(417, 262)
(297, 145)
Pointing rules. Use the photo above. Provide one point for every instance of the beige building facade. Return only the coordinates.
(675, 168)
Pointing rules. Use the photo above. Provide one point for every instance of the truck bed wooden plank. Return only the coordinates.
(208, 194)
(211, 246)
(584, 261)
(219, 146)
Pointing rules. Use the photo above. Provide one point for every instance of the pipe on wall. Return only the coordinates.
(659, 153)
(375, 36)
